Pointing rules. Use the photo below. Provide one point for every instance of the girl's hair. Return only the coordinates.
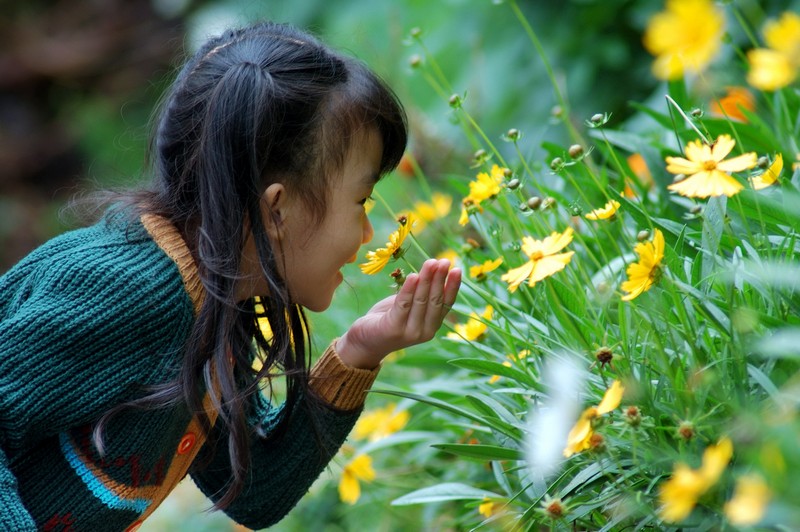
(254, 106)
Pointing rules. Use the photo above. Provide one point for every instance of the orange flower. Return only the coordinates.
(734, 103)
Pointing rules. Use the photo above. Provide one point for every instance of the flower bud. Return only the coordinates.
(507, 172)
(513, 134)
(513, 184)
(554, 508)
(557, 111)
(398, 277)
(643, 235)
(524, 207)
(604, 356)
(534, 202)
(575, 151)
(415, 60)
(597, 443)
(548, 202)
(763, 162)
(455, 101)
(696, 113)
(597, 118)
(633, 416)
(556, 163)
(479, 155)
(686, 430)
(415, 32)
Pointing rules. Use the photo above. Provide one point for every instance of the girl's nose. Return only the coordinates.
(367, 231)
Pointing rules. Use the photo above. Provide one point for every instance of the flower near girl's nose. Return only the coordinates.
(378, 259)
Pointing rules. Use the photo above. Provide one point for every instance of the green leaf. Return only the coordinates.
(713, 225)
(448, 491)
(481, 452)
(490, 367)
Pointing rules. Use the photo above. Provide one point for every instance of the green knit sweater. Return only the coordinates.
(86, 321)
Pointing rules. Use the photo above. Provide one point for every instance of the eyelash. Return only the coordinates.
(367, 199)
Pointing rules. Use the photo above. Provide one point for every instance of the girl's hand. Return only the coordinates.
(410, 317)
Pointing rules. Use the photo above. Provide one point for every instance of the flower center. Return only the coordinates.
(709, 165)
(536, 255)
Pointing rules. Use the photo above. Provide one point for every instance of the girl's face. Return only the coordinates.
(313, 255)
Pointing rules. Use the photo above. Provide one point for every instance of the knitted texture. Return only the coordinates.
(86, 322)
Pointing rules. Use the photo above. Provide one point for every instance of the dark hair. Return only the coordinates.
(254, 106)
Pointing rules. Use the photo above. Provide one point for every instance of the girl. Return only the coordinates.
(127, 348)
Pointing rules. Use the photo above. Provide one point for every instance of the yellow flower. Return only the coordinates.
(475, 327)
(684, 37)
(376, 260)
(734, 103)
(425, 212)
(749, 501)
(481, 270)
(769, 177)
(380, 423)
(642, 274)
(544, 259)
(776, 66)
(605, 212)
(485, 186)
(487, 508)
(580, 437)
(680, 493)
(519, 356)
(359, 468)
(451, 255)
(706, 170)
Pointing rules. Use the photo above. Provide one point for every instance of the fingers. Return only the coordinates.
(425, 299)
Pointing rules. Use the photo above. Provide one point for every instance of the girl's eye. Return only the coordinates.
(368, 199)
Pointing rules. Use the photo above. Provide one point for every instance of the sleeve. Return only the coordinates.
(282, 469)
(81, 335)
(13, 514)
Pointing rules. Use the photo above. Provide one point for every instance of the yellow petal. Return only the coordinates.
(722, 147)
(580, 435)
(611, 399)
(349, 489)
(679, 165)
(770, 176)
(749, 501)
(606, 211)
(707, 183)
(739, 164)
(715, 460)
(516, 276)
(549, 265)
(679, 494)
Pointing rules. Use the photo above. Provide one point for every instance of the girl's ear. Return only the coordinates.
(275, 202)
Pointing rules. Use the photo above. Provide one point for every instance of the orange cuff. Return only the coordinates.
(341, 386)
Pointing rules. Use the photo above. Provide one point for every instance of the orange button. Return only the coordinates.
(135, 526)
(187, 442)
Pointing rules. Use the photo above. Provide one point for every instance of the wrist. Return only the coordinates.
(352, 355)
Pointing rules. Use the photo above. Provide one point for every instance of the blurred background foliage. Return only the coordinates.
(79, 82)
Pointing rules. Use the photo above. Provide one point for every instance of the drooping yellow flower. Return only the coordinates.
(425, 213)
(776, 66)
(479, 271)
(770, 176)
(484, 187)
(543, 259)
(358, 469)
(749, 501)
(605, 212)
(733, 104)
(580, 436)
(685, 37)
(378, 259)
(380, 423)
(707, 171)
(680, 493)
(475, 327)
(642, 274)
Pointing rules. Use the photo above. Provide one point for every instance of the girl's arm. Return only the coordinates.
(284, 468)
